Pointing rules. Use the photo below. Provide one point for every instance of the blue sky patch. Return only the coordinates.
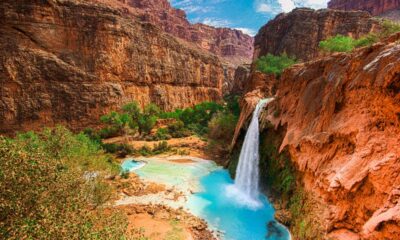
(245, 15)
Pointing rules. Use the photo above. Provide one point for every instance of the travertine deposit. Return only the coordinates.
(341, 116)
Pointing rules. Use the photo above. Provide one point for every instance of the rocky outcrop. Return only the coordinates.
(299, 32)
(375, 7)
(69, 62)
(341, 116)
(239, 78)
(232, 45)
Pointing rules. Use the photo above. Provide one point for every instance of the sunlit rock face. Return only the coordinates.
(232, 45)
(299, 32)
(71, 61)
(375, 7)
(342, 119)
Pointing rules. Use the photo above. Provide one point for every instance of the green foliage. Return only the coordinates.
(146, 123)
(121, 150)
(232, 104)
(178, 129)
(44, 194)
(274, 64)
(158, 148)
(338, 43)
(389, 27)
(366, 41)
(162, 134)
(222, 127)
(145, 151)
(161, 147)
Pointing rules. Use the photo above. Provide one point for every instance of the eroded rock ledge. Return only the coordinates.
(65, 61)
(342, 131)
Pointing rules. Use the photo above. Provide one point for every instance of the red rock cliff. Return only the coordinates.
(66, 61)
(299, 32)
(230, 44)
(342, 120)
(375, 7)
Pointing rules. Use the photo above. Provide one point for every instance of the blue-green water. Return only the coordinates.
(224, 210)
(131, 165)
(232, 217)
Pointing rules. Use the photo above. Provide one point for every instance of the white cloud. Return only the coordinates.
(247, 31)
(264, 8)
(276, 6)
(215, 22)
(287, 5)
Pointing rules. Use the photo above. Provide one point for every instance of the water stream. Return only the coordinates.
(234, 209)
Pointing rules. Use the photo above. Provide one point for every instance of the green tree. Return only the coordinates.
(121, 122)
(133, 110)
(274, 64)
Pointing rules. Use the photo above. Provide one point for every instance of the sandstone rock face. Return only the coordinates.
(342, 120)
(69, 62)
(239, 78)
(299, 32)
(230, 44)
(375, 7)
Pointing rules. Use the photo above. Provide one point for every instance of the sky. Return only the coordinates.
(245, 15)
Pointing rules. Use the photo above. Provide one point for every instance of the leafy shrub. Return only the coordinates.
(274, 64)
(389, 27)
(162, 134)
(146, 123)
(222, 127)
(232, 104)
(338, 43)
(161, 147)
(122, 150)
(44, 194)
(178, 129)
(145, 150)
(221, 130)
(158, 148)
(367, 40)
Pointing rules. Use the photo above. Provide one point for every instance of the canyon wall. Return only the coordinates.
(231, 45)
(341, 121)
(375, 7)
(299, 32)
(69, 62)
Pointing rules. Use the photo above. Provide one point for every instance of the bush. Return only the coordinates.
(389, 28)
(162, 134)
(158, 148)
(222, 127)
(274, 64)
(178, 129)
(146, 123)
(339, 43)
(367, 40)
(44, 194)
(121, 150)
(161, 147)
(145, 151)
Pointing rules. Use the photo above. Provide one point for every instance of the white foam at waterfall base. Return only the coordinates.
(245, 190)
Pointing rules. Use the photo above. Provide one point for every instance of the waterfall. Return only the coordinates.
(246, 184)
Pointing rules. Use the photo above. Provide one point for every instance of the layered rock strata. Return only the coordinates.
(230, 44)
(65, 61)
(299, 32)
(375, 7)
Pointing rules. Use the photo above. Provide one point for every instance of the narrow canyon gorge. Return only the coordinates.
(197, 131)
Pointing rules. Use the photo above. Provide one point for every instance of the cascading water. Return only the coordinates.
(245, 188)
